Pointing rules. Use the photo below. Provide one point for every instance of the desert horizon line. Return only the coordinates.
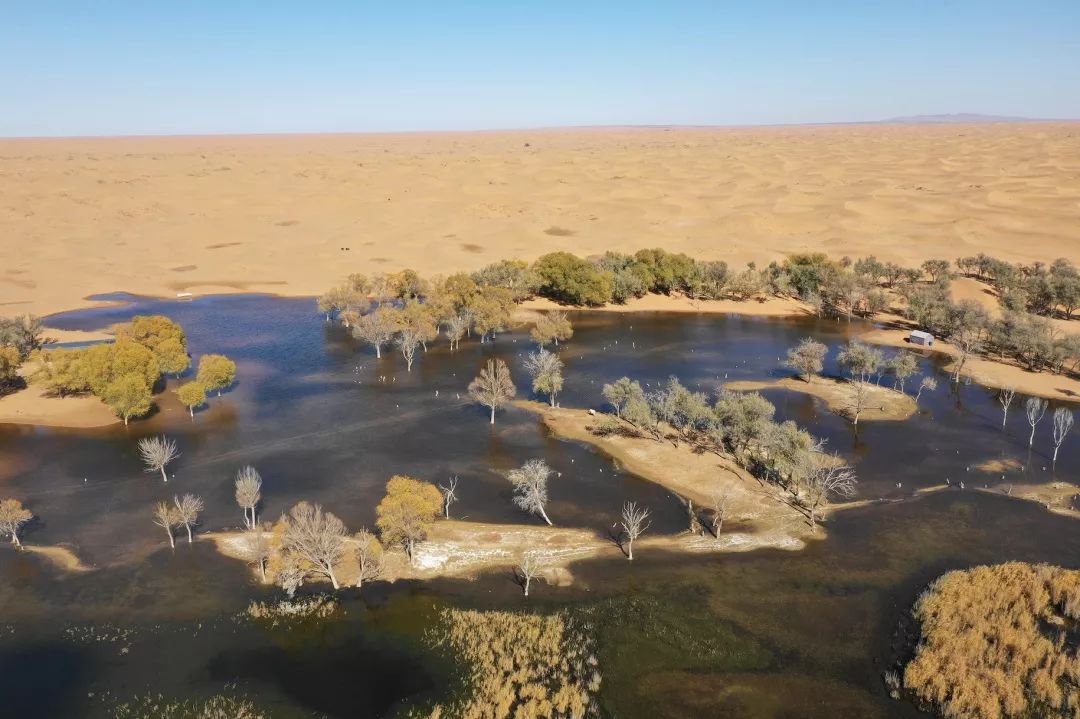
(958, 118)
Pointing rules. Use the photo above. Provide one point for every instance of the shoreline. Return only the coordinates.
(24, 407)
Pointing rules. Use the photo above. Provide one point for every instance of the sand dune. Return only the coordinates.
(273, 213)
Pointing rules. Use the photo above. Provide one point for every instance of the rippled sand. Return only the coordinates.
(274, 213)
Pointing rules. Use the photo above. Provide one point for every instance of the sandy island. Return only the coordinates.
(757, 516)
(882, 403)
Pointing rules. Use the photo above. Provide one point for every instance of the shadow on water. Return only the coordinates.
(761, 634)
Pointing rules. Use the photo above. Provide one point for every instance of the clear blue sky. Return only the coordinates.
(187, 66)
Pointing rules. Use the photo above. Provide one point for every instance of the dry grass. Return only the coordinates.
(526, 666)
(995, 643)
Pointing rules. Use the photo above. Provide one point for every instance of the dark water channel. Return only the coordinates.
(762, 634)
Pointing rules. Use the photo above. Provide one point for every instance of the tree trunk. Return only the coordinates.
(1031, 439)
(191, 411)
(1004, 418)
(254, 519)
(172, 542)
(188, 528)
(1056, 448)
(15, 539)
(526, 587)
(163, 475)
(409, 550)
(378, 352)
(630, 550)
(552, 398)
(333, 577)
(544, 515)
(493, 414)
(262, 569)
(125, 421)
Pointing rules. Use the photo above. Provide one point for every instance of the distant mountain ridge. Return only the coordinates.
(955, 118)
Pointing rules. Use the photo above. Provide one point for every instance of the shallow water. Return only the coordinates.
(790, 634)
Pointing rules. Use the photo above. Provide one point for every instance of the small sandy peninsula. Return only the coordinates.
(881, 403)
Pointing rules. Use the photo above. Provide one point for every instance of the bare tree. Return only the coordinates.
(720, 501)
(369, 556)
(449, 492)
(530, 567)
(494, 387)
(156, 453)
(315, 537)
(530, 486)
(859, 397)
(1005, 399)
(455, 328)
(291, 576)
(188, 508)
(248, 493)
(256, 550)
(1063, 422)
(827, 477)
(694, 526)
(13, 515)
(408, 341)
(1035, 408)
(165, 517)
(635, 520)
(927, 383)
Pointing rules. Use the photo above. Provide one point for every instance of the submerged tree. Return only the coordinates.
(192, 395)
(828, 477)
(188, 509)
(248, 493)
(454, 327)
(1035, 408)
(216, 372)
(545, 368)
(1005, 399)
(552, 327)
(369, 556)
(807, 358)
(1063, 422)
(530, 487)
(377, 328)
(903, 366)
(493, 387)
(405, 513)
(13, 515)
(315, 537)
(156, 453)
(165, 517)
(928, 384)
(634, 523)
(128, 396)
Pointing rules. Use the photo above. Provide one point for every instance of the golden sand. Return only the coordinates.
(276, 213)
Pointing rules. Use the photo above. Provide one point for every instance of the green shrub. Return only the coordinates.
(566, 278)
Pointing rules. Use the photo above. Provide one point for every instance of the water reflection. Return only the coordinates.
(311, 413)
